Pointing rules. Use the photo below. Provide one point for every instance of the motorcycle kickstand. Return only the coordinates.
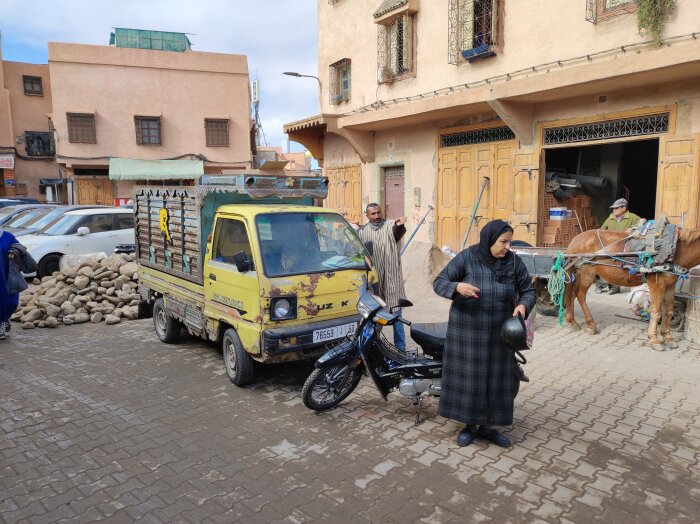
(418, 405)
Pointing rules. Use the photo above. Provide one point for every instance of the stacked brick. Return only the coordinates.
(559, 233)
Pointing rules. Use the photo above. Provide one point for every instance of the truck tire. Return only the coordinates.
(167, 328)
(240, 368)
(545, 307)
(48, 265)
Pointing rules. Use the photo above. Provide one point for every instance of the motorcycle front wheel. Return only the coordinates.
(327, 387)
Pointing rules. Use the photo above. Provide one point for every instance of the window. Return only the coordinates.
(216, 130)
(96, 223)
(81, 128)
(473, 29)
(231, 238)
(124, 221)
(32, 85)
(39, 143)
(147, 130)
(601, 10)
(340, 81)
(396, 48)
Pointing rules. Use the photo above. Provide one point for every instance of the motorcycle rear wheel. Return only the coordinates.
(327, 387)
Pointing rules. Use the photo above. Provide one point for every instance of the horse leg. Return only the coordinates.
(569, 295)
(656, 297)
(586, 278)
(669, 298)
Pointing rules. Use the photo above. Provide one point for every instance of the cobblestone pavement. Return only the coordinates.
(106, 423)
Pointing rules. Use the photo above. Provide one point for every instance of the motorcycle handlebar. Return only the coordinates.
(404, 321)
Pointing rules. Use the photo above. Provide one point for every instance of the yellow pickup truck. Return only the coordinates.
(248, 261)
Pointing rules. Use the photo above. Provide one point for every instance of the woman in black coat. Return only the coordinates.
(487, 284)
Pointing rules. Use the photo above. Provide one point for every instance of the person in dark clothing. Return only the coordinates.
(487, 284)
(8, 301)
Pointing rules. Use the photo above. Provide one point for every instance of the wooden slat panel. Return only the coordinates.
(678, 179)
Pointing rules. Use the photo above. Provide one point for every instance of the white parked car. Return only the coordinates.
(80, 232)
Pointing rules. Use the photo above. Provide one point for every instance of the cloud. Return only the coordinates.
(276, 36)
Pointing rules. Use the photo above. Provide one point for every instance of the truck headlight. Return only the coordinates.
(283, 308)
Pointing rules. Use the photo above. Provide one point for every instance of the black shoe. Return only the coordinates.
(466, 436)
(494, 436)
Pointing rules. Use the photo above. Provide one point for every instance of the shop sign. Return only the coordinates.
(7, 161)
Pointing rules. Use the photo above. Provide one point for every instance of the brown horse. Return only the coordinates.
(661, 285)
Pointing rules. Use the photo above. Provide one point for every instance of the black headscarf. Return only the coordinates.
(502, 267)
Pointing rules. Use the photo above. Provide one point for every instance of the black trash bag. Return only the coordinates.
(15, 280)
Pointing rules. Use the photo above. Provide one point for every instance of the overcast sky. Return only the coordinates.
(276, 35)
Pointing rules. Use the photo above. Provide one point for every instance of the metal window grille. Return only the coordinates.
(640, 126)
(147, 130)
(471, 24)
(339, 76)
(396, 48)
(216, 130)
(601, 10)
(32, 85)
(478, 136)
(81, 128)
(39, 143)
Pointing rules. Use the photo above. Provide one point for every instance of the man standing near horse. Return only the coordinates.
(621, 219)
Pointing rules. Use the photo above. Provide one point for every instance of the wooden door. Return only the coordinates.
(677, 185)
(96, 190)
(446, 230)
(526, 168)
(345, 191)
(394, 192)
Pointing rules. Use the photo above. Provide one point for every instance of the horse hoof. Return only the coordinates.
(575, 327)
(591, 330)
(671, 344)
(658, 347)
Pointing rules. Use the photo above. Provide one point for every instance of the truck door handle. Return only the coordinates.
(212, 276)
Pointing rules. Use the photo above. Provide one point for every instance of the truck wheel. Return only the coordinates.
(240, 368)
(167, 328)
(48, 265)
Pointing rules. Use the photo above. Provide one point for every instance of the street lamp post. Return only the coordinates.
(299, 75)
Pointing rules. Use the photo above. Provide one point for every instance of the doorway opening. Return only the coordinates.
(394, 192)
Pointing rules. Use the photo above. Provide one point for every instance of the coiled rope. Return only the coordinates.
(557, 284)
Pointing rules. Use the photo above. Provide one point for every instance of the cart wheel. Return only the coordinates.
(545, 306)
(678, 318)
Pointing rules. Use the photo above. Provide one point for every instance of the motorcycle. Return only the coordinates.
(339, 370)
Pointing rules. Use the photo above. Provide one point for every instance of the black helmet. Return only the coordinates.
(514, 333)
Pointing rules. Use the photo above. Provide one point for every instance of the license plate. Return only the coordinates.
(324, 335)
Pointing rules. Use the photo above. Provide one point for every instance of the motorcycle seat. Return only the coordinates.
(430, 337)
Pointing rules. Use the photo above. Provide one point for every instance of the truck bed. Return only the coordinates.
(538, 260)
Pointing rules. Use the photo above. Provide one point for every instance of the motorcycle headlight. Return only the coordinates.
(283, 308)
(363, 309)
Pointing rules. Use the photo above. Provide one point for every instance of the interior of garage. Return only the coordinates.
(587, 179)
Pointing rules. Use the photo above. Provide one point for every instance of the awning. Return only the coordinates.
(132, 169)
(52, 181)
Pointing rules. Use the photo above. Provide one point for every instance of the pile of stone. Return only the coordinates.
(92, 289)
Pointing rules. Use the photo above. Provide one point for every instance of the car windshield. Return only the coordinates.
(63, 224)
(5, 213)
(46, 219)
(27, 219)
(19, 215)
(300, 243)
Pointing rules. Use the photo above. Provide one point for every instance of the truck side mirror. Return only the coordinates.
(369, 246)
(243, 264)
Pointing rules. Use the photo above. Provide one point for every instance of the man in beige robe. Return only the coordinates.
(386, 236)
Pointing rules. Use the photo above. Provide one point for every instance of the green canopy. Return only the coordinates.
(132, 169)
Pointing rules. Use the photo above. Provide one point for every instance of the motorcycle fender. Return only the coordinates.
(343, 352)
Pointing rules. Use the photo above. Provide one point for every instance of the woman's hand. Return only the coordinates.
(519, 309)
(467, 290)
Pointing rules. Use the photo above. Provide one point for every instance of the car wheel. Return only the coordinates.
(167, 328)
(240, 368)
(48, 265)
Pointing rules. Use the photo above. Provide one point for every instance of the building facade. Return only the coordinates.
(436, 103)
(145, 104)
(26, 146)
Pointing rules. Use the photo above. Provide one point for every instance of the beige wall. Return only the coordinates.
(536, 32)
(27, 113)
(182, 88)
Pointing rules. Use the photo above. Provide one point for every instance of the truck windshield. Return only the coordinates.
(300, 243)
